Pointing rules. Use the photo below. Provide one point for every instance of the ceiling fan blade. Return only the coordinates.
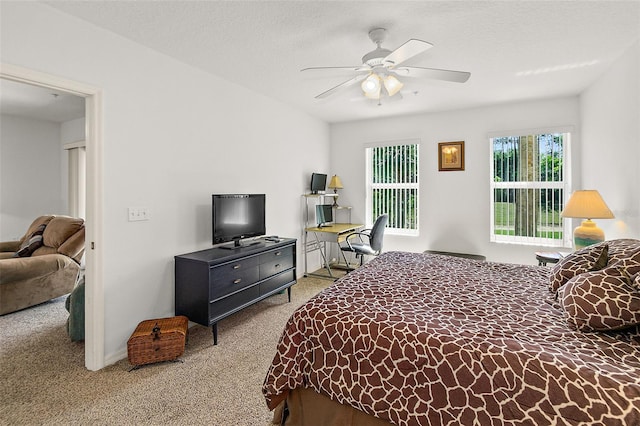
(407, 51)
(341, 86)
(434, 73)
(351, 68)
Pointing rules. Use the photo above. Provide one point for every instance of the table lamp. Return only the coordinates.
(335, 184)
(587, 204)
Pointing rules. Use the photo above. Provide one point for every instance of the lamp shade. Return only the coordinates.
(371, 86)
(335, 183)
(392, 85)
(587, 204)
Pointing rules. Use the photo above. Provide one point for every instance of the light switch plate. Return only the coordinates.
(138, 213)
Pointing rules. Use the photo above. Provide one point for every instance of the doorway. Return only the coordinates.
(94, 296)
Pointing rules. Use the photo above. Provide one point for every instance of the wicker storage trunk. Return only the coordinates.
(157, 340)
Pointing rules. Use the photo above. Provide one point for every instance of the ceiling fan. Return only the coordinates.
(382, 67)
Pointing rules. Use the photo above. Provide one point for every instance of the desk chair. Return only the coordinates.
(360, 247)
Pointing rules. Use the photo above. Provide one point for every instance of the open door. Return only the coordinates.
(94, 298)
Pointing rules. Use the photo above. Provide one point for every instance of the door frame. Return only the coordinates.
(94, 292)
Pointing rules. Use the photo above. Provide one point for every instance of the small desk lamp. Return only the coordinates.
(587, 204)
(335, 184)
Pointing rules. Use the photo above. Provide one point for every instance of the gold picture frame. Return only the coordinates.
(450, 156)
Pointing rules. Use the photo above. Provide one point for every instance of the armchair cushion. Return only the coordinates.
(60, 229)
(42, 220)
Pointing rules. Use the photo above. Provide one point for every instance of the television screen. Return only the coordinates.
(318, 182)
(237, 216)
(324, 214)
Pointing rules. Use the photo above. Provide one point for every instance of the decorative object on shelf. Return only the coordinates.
(451, 156)
(587, 204)
(335, 184)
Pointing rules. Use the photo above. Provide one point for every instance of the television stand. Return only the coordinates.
(212, 284)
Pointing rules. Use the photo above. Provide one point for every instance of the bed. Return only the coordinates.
(427, 339)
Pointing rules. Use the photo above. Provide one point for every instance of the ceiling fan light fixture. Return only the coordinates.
(375, 95)
(371, 85)
(392, 84)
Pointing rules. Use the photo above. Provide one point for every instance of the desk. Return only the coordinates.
(334, 233)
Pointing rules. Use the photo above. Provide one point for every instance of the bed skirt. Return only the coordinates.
(306, 407)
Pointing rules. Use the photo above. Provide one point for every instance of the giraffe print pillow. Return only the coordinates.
(591, 258)
(603, 300)
(625, 252)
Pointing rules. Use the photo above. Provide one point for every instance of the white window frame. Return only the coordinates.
(371, 186)
(565, 185)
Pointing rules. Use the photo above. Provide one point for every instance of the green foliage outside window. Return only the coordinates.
(527, 185)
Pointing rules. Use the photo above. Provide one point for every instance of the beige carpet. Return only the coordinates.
(43, 379)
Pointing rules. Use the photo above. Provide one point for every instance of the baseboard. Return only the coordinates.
(115, 357)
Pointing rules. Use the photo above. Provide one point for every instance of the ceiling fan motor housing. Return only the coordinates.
(376, 57)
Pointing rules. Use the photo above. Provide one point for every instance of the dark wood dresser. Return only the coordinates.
(215, 283)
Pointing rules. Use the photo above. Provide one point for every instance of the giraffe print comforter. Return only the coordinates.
(425, 339)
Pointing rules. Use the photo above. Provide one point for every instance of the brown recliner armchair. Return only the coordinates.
(43, 264)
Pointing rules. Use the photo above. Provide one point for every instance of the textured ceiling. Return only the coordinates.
(515, 50)
(24, 100)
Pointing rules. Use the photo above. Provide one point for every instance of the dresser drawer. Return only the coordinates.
(233, 276)
(275, 261)
(232, 303)
(276, 282)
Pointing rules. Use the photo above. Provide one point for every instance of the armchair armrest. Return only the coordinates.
(11, 246)
(359, 234)
(20, 268)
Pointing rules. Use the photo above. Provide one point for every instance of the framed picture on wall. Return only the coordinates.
(450, 156)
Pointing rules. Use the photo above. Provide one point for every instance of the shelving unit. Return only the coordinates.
(337, 210)
(310, 245)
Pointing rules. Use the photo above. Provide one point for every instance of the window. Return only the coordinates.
(392, 186)
(528, 184)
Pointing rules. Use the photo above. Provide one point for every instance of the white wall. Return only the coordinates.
(30, 170)
(610, 111)
(173, 135)
(72, 131)
(454, 206)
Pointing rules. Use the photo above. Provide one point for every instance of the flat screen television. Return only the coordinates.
(236, 217)
(318, 183)
(324, 214)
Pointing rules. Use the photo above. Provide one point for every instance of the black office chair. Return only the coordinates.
(362, 248)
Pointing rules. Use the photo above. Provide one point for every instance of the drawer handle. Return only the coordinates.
(277, 265)
(236, 266)
(278, 253)
(237, 281)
